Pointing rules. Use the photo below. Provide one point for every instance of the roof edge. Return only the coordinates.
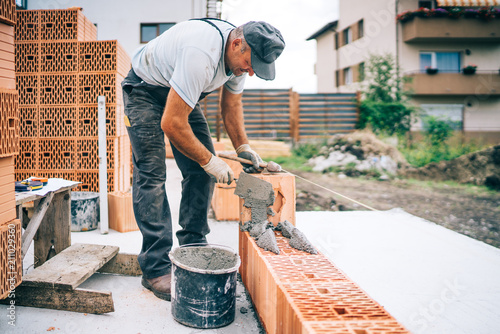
(328, 27)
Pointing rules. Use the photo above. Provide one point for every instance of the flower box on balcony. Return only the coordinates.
(471, 69)
(431, 70)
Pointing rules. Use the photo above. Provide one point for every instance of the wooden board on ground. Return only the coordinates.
(122, 264)
(71, 267)
(79, 300)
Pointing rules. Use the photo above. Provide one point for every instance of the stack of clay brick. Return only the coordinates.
(60, 71)
(299, 292)
(10, 227)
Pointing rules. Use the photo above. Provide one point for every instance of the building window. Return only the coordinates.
(150, 31)
(361, 71)
(347, 34)
(450, 113)
(336, 41)
(361, 28)
(337, 78)
(426, 4)
(445, 62)
(347, 76)
(22, 4)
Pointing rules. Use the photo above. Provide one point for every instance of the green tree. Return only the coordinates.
(384, 103)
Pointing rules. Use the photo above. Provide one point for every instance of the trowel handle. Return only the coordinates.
(245, 161)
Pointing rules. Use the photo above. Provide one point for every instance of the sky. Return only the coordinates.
(297, 20)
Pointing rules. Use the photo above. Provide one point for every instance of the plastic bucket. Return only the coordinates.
(84, 211)
(204, 285)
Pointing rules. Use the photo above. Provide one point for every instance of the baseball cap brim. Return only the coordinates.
(263, 70)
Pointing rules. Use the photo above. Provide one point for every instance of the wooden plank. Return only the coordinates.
(122, 264)
(35, 222)
(71, 267)
(79, 300)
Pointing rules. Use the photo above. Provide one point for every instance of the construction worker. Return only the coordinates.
(169, 76)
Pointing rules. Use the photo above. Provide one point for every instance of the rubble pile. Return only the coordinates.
(357, 153)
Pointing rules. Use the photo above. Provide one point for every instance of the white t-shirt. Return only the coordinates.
(189, 58)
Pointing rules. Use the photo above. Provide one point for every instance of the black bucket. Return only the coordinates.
(204, 285)
(84, 211)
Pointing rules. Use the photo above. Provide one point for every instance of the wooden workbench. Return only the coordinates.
(50, 225)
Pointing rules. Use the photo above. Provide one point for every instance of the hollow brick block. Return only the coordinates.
(27, 26)
(9, 123)
(27, 57)
(7, 194)
(120, 212)
(11, 266)
(225, 203)
(284, 203)
(8, 12)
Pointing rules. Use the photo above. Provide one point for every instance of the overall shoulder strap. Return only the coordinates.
(208, 20)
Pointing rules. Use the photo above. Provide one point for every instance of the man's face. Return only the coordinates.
(238, 62)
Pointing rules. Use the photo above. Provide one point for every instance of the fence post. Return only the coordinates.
(294, 116)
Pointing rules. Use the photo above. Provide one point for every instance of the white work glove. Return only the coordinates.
(245, 152)
(219, 170)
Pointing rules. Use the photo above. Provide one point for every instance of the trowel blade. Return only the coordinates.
(251, 187)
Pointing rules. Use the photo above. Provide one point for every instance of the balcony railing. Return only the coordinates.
(482, 83)
(447, 29)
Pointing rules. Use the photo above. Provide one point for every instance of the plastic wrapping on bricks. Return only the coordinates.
(27, 25)
(58, 57)
(28, 89)
(58, 89)
(57, 122)
(27, 57)
(87, 120)
(57, 154)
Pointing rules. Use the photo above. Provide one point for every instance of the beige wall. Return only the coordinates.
(325, 63)
(480, 114)
(379, 32)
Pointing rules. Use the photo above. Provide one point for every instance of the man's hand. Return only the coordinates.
(219, 170)
(244, 151)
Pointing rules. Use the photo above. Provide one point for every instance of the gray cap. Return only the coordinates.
(267, 44)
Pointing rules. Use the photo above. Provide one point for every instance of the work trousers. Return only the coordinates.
(144, 106)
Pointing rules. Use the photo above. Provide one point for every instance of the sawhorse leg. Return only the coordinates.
(54, 233)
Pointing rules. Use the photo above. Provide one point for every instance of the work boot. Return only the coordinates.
(159, 285)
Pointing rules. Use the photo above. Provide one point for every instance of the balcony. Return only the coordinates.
(480, 84)
(452, 30)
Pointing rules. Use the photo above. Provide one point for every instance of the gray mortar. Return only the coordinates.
(286, 228)
(258, 195)
(267, 241)
(258, 229)
(206, 258)
(300, 242)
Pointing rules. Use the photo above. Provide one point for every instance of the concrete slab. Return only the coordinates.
(137, 310)
(431, 279)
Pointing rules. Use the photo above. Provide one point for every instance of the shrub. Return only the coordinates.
(386, 117)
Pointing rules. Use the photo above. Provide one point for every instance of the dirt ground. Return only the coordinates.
(469, 210)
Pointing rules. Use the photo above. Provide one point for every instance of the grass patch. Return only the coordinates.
(467, 188)
(294, 162)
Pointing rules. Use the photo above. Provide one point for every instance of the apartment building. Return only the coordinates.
(133, 22)
(432, 41)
